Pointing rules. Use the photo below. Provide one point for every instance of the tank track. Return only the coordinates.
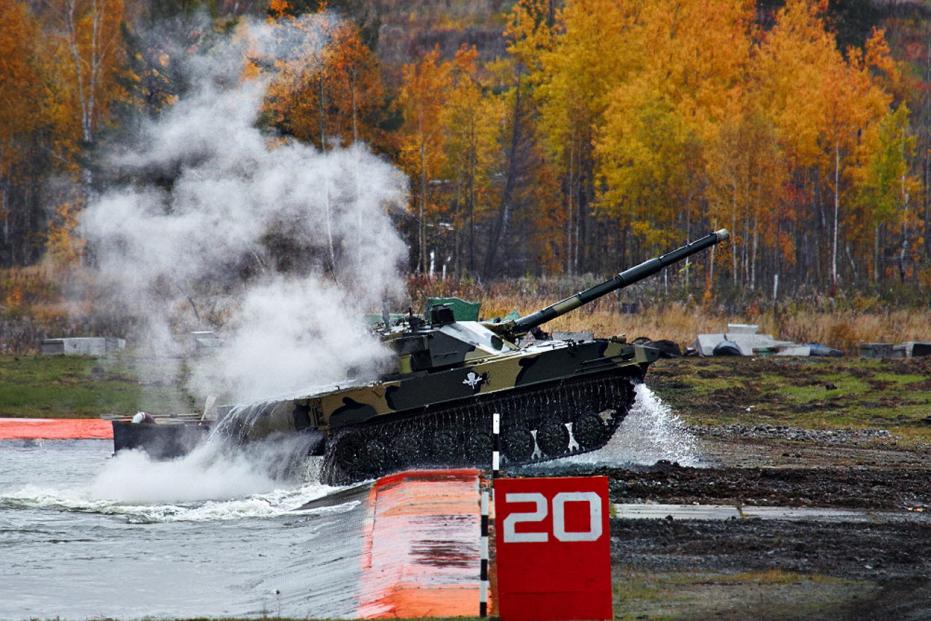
(574, 416)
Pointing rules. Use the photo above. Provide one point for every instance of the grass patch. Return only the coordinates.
(84, 387)
(771, 594)
(804, 392)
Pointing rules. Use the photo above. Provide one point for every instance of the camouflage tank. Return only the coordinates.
(555, 397)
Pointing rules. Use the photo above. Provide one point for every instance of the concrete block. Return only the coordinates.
(797, 350)
(82, 346)
(914, 349)
(875, 350)
(205, 340)
(705, 343)
(742, 328)
(748, 342)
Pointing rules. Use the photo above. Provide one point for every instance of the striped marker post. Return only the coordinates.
(483, 554)
(484, 586)
(496, 446)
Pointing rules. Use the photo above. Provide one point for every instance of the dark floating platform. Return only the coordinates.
(164, 439)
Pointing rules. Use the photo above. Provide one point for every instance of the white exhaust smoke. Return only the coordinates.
(287, 245)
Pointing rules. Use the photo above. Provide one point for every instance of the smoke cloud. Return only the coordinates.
(286, 245)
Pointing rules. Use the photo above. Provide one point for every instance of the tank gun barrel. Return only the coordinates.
(619, 281)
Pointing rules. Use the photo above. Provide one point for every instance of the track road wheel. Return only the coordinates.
(378, 458)
(478, 446)
(446, 448)
(407, 450)
(517, 444)
(553, 438)
(349, 453)
(589, 431)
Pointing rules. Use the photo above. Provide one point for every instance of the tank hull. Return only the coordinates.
(442, 417)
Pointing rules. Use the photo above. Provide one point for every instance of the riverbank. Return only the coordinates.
(82, 387)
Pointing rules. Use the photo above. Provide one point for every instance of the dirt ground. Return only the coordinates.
(846, 433)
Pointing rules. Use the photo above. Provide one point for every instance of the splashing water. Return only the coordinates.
(651, 432)
(210, 483)
(215, 481)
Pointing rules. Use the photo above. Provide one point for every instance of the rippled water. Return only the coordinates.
(83, 534)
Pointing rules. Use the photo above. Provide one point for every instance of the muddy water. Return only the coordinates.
(83, 534)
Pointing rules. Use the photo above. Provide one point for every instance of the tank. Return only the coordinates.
(555, 397)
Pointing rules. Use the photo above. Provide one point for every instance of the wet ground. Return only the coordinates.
(801, 433)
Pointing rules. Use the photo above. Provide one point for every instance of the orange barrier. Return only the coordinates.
(55, 429)
(421, 546)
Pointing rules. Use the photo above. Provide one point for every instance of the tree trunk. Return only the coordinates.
(352, 92)
(733, 244)
(836, 213)
(501, 222)
(756, 240)
(876, 254)
(926, 130)
(422, 233)
(321, 111)
(569, 197)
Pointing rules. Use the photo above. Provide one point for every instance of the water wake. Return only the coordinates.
(215, 481)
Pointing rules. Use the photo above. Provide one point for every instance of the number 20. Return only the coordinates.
(560, 501)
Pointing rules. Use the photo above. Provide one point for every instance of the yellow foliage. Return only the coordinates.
(63, 244)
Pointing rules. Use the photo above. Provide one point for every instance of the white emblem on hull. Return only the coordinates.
(473, 381)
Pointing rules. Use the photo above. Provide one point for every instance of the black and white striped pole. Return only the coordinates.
(484, 550)
(496, 445)
(483, 553)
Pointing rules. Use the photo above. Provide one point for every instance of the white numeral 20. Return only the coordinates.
(560, 501)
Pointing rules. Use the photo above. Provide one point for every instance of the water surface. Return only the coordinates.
(72, 548)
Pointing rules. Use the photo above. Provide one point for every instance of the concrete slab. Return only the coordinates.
(798, 350)
(705, 343)
(637, 511)
(742, 328)
(82, 346)
(676, 512)
(750, 343)
(916, 349)
(875, 350)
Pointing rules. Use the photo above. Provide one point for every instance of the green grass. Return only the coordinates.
(804, 392)
(664, 596)
(83, 387)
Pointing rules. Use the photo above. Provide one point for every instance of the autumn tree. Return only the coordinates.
(820, 103)
(471, 119)
(422, 139)
(354, 80)
(329, 91)
(885, 191)
(19, 116)
(91, 31)
(572, 75)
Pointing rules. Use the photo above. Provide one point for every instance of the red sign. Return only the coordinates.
(553, 548)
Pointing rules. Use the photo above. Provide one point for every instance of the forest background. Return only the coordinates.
(547, 143)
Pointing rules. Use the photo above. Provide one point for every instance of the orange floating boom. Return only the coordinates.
(55, 429)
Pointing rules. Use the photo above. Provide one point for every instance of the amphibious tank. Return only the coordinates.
(555, 397)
